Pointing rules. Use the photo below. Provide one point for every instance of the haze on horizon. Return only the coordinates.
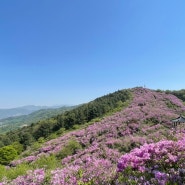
(66, 52)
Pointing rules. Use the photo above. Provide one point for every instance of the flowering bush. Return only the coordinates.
(91, 171)
(159, 162)
(35, 177)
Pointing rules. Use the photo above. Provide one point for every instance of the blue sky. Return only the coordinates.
(71, 52)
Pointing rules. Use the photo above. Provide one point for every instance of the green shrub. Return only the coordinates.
(52, 136)
(12, 173)
(47, 162)
(18, 147)
(2, 172)
(7, 154)
(71, 148)
(60, 131)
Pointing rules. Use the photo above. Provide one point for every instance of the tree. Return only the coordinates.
(18, 147)
(7, 154)
(26, 139)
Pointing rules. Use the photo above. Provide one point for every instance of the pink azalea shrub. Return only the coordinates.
(160, 162)
(93, 171)
(35, 177)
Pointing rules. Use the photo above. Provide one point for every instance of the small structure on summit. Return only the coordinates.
(178, 120)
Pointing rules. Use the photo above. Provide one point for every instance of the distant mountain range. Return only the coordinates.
(33, 114)
(24, 110)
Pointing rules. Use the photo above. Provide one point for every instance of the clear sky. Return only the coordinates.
(71, 52)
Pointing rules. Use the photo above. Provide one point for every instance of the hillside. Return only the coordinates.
(180, 94)
(54, 126)
(13, 123)
(101, 152)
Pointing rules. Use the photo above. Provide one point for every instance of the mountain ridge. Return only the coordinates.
(12, 123)
(22, 110)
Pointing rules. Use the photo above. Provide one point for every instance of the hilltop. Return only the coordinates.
(102, 148)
